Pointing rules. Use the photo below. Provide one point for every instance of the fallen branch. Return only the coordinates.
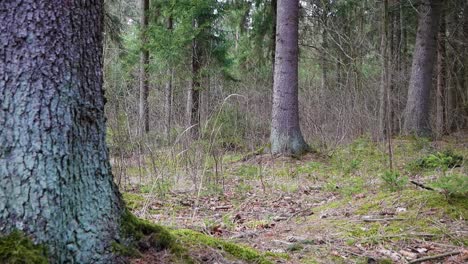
(222, 207)
(422, 186)
(245, 234)
(419, 260)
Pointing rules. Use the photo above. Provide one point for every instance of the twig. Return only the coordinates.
(419, 260)
(382, 219)
(436, 243)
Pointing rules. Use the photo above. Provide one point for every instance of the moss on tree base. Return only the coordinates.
(146, 235)
(16, 248)
(142, 235)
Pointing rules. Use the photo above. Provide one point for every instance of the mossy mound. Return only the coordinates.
(245, 253)
(144, 235)
(16, 248)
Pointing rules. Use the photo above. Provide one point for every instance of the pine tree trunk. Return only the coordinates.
(323, 57)
(418, 103)
(396, 77)
(168, 94)
(441, 92)
(384, 89)
(274, 10)
(194, 93)
(144, 62)
(286, 136)
(464, 90)
(55, 177)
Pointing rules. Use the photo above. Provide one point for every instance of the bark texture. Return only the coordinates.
(144, 62)
(418, 102)
(286, 136)
(55, 178)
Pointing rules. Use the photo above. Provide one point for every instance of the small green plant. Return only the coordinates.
(353, 166)
(444, 160)
(248, 171)
(421, 143)
(452, 185)
(243, 188)
(161, 188)
(394, 181)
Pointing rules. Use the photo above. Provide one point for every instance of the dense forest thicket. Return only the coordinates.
(208, 64)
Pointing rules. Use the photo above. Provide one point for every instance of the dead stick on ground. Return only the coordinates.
(382, 219)
(419, 260)
(422, 186)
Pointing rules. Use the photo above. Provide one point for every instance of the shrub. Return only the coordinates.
(394, 181)
(444, 160)
(452, 185)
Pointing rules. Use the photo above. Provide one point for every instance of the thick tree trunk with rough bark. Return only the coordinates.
(144, 62)
(418, 103)
(55, 177)
(286, 136)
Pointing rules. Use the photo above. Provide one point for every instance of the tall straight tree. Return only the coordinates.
(168, 91)
(418, 102)
(55, 177)
(441, 91)
(144, 62)
(193, 100)
(384, 107)
(286, 137)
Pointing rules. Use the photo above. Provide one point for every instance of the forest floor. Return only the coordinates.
(340, 207)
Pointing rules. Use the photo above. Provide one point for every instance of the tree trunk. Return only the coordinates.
(55, 177)
(441, 93)
(323, 56)
(144, 62)
(194, 93)
(417, 105)
(396, 73)
(168, 93)
(286, 136)
(274, 10)
(384, 82)
(464, 90)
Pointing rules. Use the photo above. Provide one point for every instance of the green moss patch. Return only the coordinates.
(144, 235)
(16, 248)
(140, 229)
(245, 253)
(133, 201)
